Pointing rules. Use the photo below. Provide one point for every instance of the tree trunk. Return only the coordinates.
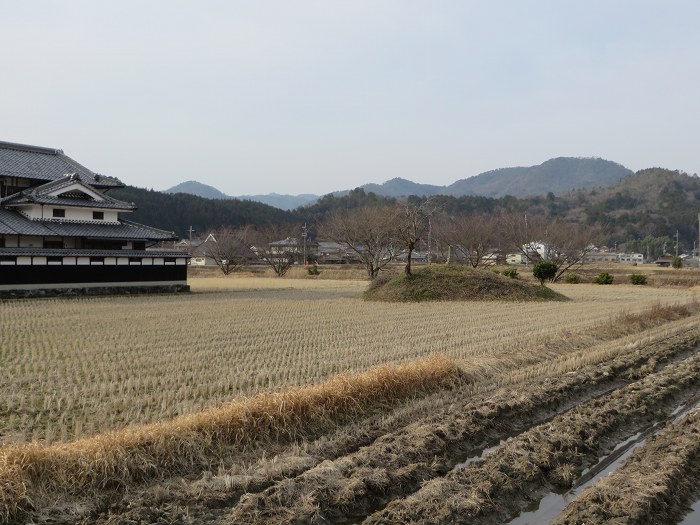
(407, 270)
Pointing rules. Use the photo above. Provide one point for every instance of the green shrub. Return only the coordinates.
(677, 262)
(638, 278)
(544, 271)
(313, 269)
(603, 278)
(572, 278)
(511, 272)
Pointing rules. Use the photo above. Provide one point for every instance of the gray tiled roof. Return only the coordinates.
(41, 195)
(37, 163)
(13, 223)
(48, 252)
(123, 230)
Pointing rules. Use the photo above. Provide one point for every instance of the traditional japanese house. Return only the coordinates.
(60, 229)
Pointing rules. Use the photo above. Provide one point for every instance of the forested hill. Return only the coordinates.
(192, 187)
(558, 176)
(177, 212)
(653, 202)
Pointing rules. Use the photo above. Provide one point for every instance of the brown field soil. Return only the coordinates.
(398, 464)
(549, 456)
(650, 487)
(520, 403)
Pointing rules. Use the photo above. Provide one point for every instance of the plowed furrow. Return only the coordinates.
(546, 457)
(653, 486)
(395, 465)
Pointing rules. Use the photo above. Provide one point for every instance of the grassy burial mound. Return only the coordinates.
(457, 283)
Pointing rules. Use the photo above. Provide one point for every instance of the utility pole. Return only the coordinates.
(189, 246)
(303, 236)
(430, 231)
(676, 243)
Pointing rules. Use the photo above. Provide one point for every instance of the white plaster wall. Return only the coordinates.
(74, 214)
(31, 242)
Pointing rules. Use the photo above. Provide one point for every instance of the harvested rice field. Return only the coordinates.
(270, 401)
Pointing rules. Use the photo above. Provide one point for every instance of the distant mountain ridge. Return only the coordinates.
(652, 202)
(283, 202)
(192, 187)
(558, 176)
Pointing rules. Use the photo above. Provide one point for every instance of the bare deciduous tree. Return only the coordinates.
(410, 229)
(443, 232)
(412, 222)
(566, 244)
(470, 236)
(368, 232)
(280, 256)
(229, 248)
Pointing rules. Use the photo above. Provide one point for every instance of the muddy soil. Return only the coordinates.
(400, 467)
(549, 456)
(397, 464)
(654, 486)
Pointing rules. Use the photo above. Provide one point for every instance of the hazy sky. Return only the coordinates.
(315, 96)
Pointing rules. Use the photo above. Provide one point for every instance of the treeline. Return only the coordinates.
(654, 202)
(179, 211)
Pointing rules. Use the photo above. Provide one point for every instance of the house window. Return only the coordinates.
(8, 259)
(2, 242)
(54, 260)
(59, 212)
(97, 260)
(169, 260)
(98, 215)
(134, 260)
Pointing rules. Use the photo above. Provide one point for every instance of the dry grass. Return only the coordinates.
(66, 361)
(457, 283)
(397, 463)
(143, 452)
(74, 367)
(326, 272)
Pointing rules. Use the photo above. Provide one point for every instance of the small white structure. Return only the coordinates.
(632, 258)
(515, 258)
(614, 257)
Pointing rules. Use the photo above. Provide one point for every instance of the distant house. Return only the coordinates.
(631, 258)
(665, 260)
(515, 258)
(601, 257)
(491, 258)
(613, 257)
(330, 252)
(60, 229)
(198, 250)
(416, 257)
(296, 247)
